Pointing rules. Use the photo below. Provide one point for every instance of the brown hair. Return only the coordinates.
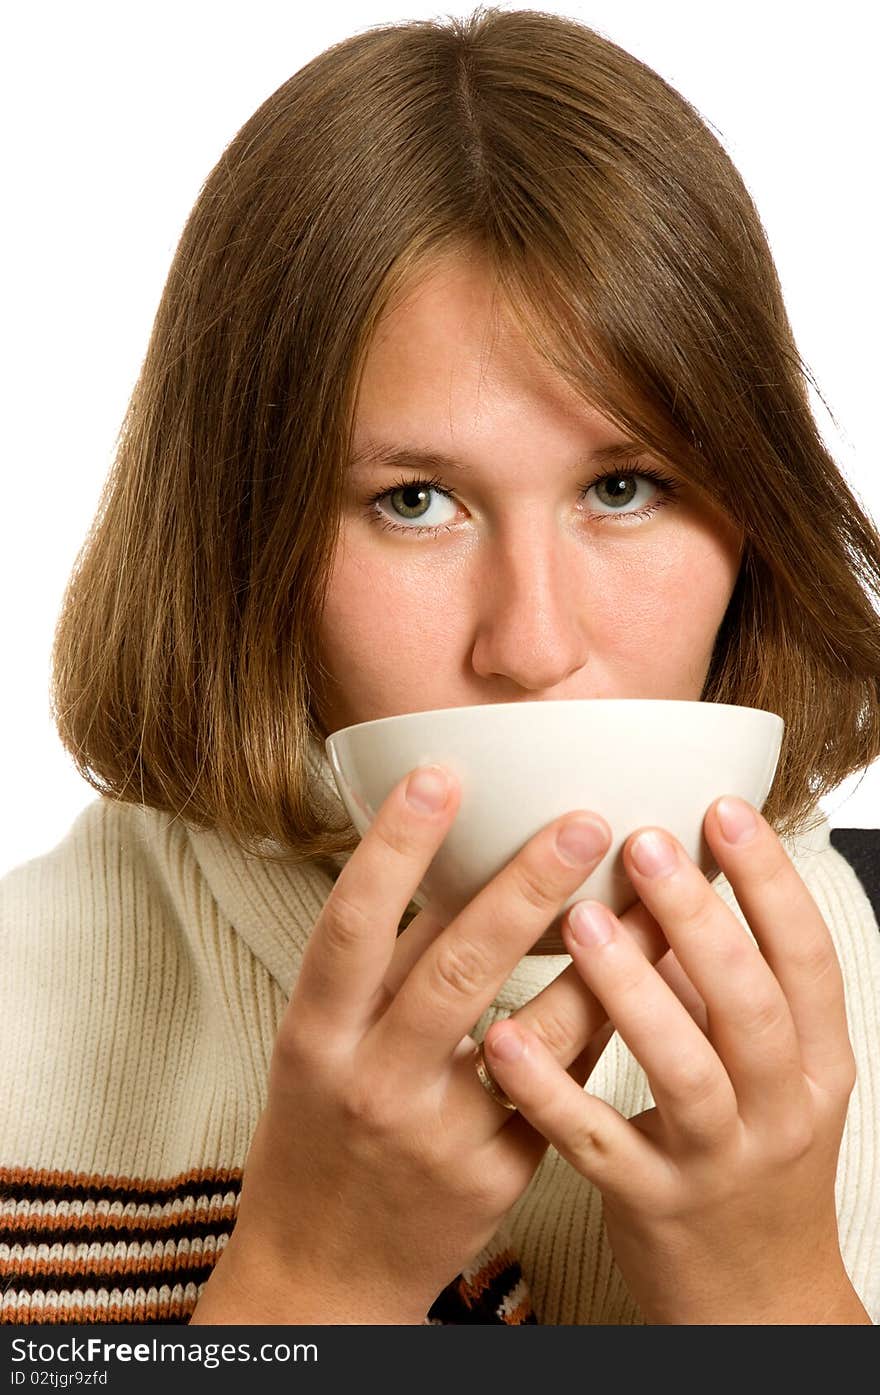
(186, 668)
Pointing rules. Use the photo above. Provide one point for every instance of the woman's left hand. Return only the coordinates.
(719, 1202)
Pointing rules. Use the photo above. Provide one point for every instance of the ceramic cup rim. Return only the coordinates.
(550, 705)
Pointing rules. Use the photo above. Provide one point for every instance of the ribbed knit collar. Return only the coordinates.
(274, 906)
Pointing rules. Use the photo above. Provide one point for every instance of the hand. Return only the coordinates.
(380, 1166)
(719, 1202)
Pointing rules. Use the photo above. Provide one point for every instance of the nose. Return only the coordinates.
(531, 611)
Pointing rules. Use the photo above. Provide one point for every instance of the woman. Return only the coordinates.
(471, 382)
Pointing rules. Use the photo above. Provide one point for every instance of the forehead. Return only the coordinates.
(445, 314)
(449, 349)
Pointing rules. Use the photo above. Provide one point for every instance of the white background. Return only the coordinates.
(113, 115)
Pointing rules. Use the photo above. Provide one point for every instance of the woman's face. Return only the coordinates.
(540, 580)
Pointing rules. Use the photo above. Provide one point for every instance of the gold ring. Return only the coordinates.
(488, 1081)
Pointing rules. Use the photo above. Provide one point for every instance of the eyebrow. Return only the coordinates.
(403, 456)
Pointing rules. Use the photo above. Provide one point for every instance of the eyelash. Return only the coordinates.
(669, 487)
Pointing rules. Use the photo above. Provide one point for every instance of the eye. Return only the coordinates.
(414, 509)
(411, 499)
(617, 491)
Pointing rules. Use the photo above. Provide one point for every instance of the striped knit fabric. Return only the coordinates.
(492, 1290)
(144, 971)
(81, 1249)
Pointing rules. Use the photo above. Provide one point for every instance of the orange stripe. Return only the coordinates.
(86, 1181)
(514, 1316)
(473, 1287)
(109, 1269)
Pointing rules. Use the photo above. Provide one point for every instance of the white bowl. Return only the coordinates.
(521, 765)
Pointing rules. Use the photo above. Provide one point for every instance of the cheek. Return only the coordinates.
(667, 604)
(677, 600)
(381, 618)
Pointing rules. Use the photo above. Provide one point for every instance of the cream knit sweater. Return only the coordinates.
(145, 968)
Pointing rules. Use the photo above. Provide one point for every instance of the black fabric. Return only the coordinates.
(482, 1299)
(861, 848)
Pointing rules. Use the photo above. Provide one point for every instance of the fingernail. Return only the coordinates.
(428, 789)
(738, 823)
(590, 923)
(580, 842)
(506, 1045)
(653, 854)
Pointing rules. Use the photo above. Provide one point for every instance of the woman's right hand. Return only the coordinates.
(380, 1166)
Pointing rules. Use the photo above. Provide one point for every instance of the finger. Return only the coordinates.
(591, 1135)
(691, 1088)
(580, 1070)
(566, 1015)
(410, 945)
(352, 943)
(793, 936)
(672, 973)
(459, 975)
(565, 1024)
(582, 1066)
(750, 1024)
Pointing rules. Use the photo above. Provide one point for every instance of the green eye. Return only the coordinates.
(410, 498)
